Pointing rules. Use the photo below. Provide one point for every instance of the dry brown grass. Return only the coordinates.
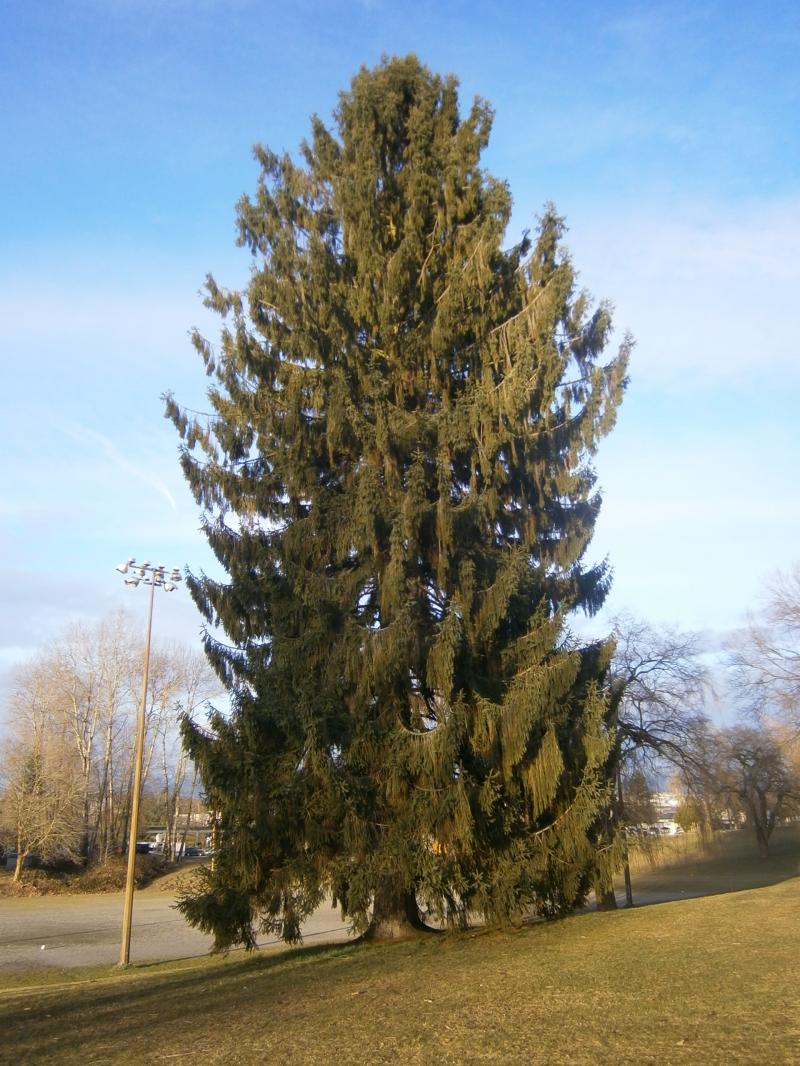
(108, 876)
(650, 853)
(728, 862)
(709, 981)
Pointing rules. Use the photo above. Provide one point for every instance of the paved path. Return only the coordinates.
(61, 932)
(69, 931)
(66, 931)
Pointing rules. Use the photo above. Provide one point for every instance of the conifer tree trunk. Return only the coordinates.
(395, 914)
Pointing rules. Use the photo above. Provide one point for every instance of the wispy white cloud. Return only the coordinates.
(39, 606)
(709, 295)
(122, 463)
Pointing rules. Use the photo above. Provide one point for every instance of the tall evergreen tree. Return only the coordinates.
(396, 478)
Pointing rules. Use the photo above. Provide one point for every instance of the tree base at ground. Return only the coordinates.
(395, 916)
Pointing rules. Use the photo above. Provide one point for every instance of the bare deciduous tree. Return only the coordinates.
(41, 775)
(185, 684)
(77, 700)
(751, 770)
(658, 687)
(118, 663)
(766, 656)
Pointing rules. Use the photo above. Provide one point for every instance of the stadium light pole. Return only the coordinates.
(155, 577)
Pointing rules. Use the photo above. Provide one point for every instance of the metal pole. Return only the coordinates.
(125, 950)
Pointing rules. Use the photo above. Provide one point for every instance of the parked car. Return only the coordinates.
(665, 827)
(641, 830)
(31, 862)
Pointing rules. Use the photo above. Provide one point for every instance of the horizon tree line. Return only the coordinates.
(67, 769)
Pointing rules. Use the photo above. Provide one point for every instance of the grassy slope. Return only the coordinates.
(710, 981)
(677, 866)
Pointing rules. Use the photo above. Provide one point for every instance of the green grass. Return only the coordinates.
(710, 981)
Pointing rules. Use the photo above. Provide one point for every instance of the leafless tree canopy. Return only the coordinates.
(40, 776)
(659, 686)
(750, 769)
(766, 657)
(71, 712)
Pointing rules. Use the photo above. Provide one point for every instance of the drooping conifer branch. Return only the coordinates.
(403, 417)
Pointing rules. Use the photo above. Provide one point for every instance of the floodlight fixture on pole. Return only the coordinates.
(155, 577)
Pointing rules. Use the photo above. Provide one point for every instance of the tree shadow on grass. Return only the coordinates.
(135, 1011)
(149, 1014)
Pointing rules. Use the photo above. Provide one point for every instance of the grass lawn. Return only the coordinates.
(677, 866)
(711, 980)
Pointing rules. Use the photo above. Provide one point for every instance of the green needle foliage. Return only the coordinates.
(396, 479)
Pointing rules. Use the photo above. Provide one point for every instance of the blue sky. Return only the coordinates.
(666, 133)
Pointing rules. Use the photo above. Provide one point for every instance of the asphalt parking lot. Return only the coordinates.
(62, 932)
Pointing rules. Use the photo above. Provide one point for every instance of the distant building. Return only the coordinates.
(666, 804)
